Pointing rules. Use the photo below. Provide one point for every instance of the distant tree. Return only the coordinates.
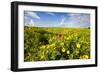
(88, 27)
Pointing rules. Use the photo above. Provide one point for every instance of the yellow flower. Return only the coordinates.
(47, 51)
(62, 44)
(43, 46)
(42, 56)
(63, 49)
(68, 52)
(53, 37)
(52, 45)
(84, 57)
(77, 52)
(78, 45)
(68, 38)
(48, 46)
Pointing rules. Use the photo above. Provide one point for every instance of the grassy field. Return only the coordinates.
(45, 44)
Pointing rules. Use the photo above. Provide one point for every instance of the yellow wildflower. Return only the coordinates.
(62, 43)
(84, 57)
(47, 51)
(42, 56)
(68, 52)
(48, 46)
(43, 46)
(78, 46)
(63, 49)
(52, 45)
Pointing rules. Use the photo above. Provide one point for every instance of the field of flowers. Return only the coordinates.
(45, 44)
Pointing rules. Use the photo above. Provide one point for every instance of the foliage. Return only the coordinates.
(42, 44)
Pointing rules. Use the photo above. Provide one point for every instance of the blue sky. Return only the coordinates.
(56, 19)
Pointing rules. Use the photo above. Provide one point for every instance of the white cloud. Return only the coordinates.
(62, 21)
(32, 15)
(74, 14)
(31, 22)
(50, 13)
(78, 20)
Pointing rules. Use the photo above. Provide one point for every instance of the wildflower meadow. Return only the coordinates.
(46, 44)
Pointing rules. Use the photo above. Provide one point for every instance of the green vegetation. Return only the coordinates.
(45, 44)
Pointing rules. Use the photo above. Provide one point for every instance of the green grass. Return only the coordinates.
(45, 44)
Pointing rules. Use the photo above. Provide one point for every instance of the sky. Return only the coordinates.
(56, 19)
